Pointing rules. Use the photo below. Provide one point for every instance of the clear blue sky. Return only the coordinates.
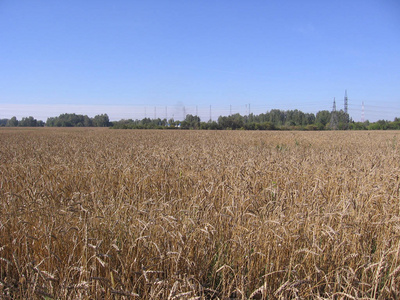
(135, 58)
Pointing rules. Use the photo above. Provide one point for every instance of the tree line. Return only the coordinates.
(74, 120)
(274, 119)
(24, 122)
(63, 120)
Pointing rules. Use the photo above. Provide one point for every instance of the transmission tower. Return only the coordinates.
(346, 105)
(334, 121)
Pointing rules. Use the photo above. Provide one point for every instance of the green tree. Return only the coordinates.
(395, 124)
(50, 122)
(277, 117)
(235, 121)
(87, 122)
(13, 122)
(323, 117)
(3, 122)
(28, 122)
(357, 126)
(191, 122)
(101, 120)
(310, 118)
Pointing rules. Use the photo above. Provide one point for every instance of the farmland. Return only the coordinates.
(96, 213)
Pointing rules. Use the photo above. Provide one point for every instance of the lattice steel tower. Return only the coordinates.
(346, 105)
(334, 121)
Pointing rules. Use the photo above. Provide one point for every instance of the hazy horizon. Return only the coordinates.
(117, 113)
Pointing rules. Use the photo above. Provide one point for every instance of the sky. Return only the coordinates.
(136, 59)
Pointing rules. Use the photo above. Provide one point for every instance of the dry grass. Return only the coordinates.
(97, 213)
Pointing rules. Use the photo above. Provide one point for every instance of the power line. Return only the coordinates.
(362, 114)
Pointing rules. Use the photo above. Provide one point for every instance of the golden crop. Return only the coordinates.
(98, 213)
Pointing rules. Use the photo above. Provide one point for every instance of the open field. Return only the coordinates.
(99, 213)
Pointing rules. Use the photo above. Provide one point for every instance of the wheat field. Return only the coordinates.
(109, 214)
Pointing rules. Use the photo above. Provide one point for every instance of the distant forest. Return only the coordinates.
(273, 120)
